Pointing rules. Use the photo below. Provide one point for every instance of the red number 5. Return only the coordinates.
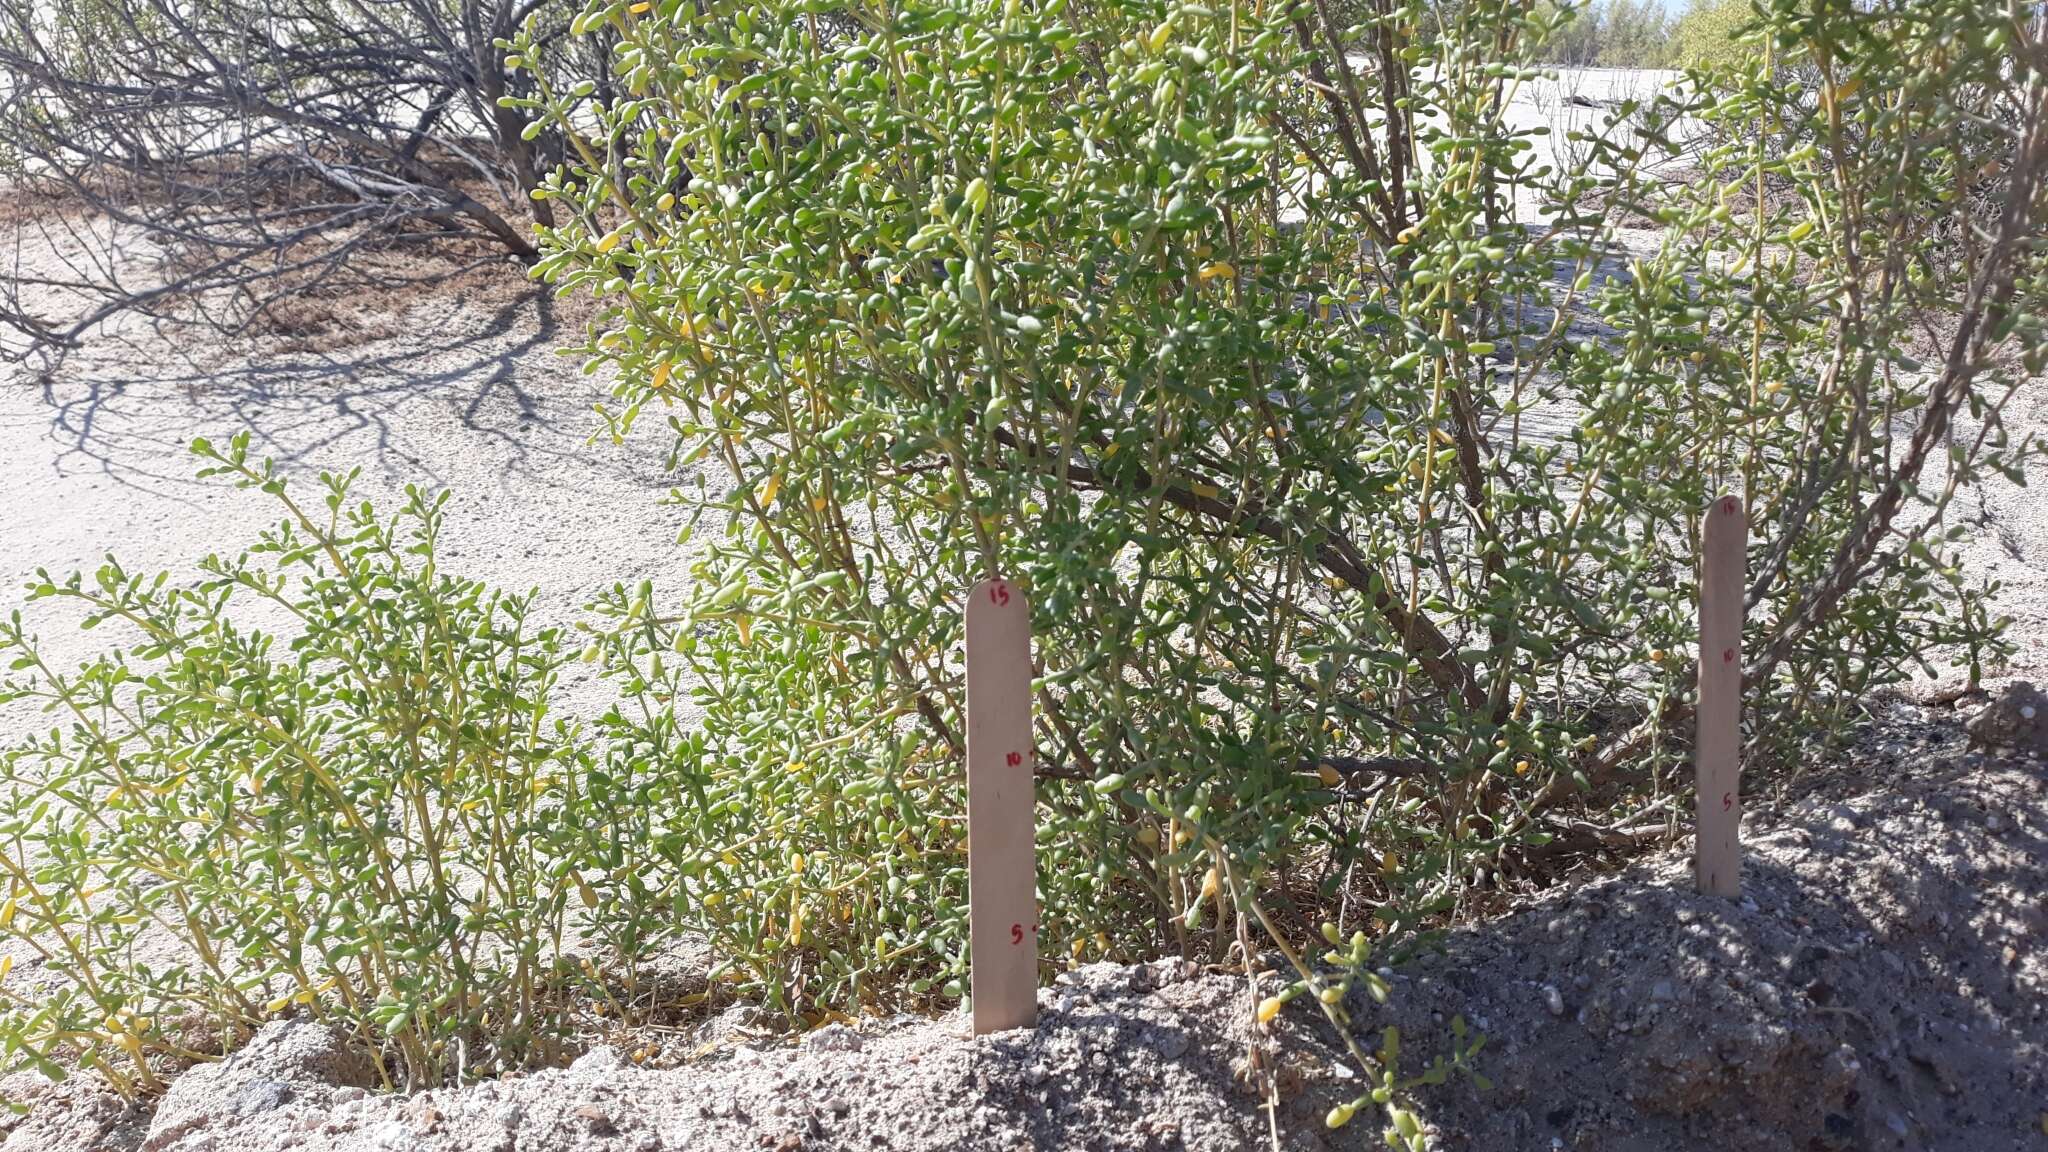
(1016, 933)
(999, 594)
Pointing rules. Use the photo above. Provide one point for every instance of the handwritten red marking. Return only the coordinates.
(1013, 759)
(1016, 933)
(999, 594)
(1727, 655)
(1728, 506)
(1727, 801)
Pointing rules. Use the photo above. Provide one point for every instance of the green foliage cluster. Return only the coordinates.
(1710, 35)
(365, 812)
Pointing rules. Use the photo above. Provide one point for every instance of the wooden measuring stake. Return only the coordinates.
(1002, 873)
(1717, 746)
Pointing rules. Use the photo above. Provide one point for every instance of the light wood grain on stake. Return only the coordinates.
(1717, 748)
(1001, 810)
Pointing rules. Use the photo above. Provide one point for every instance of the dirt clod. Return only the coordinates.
(287, 1062)
(2016, 720)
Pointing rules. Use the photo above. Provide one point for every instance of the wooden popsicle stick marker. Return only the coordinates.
(1717, 745)
(1002, 873)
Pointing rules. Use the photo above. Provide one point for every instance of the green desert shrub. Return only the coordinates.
(1709, 34)
(322, 778)
(1358, 514)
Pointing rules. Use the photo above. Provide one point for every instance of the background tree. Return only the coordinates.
(1608, 34)
(1707, 34)
(256, 149)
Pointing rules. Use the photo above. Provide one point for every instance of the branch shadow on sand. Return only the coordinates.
(458, 379)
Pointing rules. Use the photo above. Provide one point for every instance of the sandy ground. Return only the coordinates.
(458, 389)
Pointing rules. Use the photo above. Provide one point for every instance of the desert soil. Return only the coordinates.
(459, 388)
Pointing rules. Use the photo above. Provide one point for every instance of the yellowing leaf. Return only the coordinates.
(770, 489)
(746, 626)
(661, 372)
(641, 7)
(1156, 42)
(1269, 1008)
(6, 966)
(1212, 271)
(610, 241)
(1206, 491)
(7, 912)
(1330, 776)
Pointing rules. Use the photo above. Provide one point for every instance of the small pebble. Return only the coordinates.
(833, 1038)
(261, 1096)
